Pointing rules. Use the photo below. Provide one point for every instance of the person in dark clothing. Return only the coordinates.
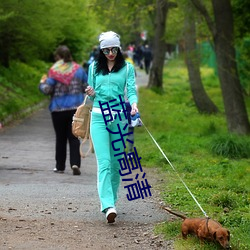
(65, 83)
(138, 56)
(147, 54)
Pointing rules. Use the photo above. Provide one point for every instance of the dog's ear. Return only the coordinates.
(228, 237)
(214, 235)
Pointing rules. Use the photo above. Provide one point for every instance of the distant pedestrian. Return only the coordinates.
(93, 55)
(107, 82)
(138, 56)
(65, 84)
(147, 54)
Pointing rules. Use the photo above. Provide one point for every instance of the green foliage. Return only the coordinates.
(243, 59)
(241, 17)
(128, 18)
(29, 33)
(219, 183)
(170, 230)
(231, 146)
(224, 200)
(19, 87)
(175, 28)
(175, 25)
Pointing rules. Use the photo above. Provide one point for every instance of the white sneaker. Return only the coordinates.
(111, 214)
(58, 171)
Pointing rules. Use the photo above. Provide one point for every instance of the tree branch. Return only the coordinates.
(202, 9)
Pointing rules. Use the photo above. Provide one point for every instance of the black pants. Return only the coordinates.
(62, 122)
(147, 66)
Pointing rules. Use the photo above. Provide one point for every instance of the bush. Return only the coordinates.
(231, 146)
(223, 200)
(19, 88)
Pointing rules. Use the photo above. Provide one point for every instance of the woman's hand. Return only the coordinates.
(43, 79)
(134, 109)
(90, 91)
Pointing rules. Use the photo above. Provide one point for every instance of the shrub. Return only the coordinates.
(231, 146)
(223, 200)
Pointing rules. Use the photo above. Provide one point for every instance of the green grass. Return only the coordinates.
(19, 88)
(214, 164)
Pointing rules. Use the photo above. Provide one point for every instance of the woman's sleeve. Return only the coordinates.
(47, 87)
(131, 85)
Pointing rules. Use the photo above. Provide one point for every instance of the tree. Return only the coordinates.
(201, 99)
(127, 17)
(159, 46)
(28, 33)
(223, 38)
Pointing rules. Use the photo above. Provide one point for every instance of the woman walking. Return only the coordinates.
(65, 84)
(108, 78)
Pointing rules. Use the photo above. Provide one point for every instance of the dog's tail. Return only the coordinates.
(175, 213)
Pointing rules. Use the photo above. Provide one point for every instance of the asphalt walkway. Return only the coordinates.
(28, 185)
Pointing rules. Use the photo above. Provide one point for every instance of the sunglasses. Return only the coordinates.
(106, 51)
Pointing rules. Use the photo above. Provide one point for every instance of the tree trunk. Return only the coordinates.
(159, 47)
(201, 99)
(235, 109)
(223, 38)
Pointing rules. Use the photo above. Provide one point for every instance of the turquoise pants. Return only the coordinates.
(108, 177)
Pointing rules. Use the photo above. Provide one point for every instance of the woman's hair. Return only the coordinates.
(63, 52)
(102, 67)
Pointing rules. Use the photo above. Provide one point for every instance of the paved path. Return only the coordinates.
(29, 188)
(141, 78)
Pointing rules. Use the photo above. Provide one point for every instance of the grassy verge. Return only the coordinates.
(214, 164)
(19, 88)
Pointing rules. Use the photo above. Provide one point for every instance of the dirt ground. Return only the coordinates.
(37, 234)
(40, 209)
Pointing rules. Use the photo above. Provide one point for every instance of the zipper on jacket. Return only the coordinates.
(109, 87)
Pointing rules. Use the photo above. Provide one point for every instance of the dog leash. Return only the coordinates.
(174, 170)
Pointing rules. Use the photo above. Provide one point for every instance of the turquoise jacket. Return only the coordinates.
(109, 87)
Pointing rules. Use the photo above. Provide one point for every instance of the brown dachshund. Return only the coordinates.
(204, 229)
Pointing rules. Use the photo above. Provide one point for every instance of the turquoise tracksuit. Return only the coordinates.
(107, 88)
